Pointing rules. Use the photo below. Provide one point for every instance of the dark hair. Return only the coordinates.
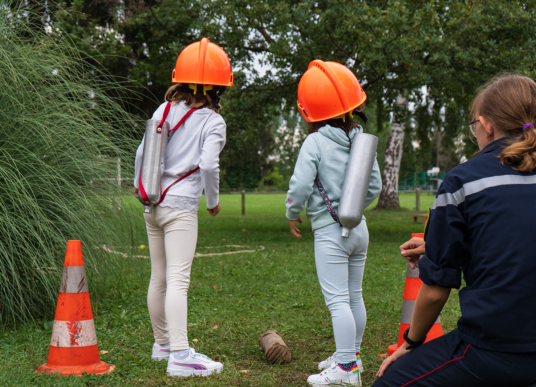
(509, 102)
(347, 124)
(195, 101)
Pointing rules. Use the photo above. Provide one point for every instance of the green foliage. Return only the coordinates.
(274, 179)
(61, 137)
(448, 47)
(250, 117)
(437, 53)
(289, 132)
(470, 42)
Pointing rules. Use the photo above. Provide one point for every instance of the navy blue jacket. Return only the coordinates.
(483, 223)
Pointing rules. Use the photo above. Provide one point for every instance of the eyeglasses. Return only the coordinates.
(472, 127)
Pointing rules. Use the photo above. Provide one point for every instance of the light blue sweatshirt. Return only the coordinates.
(324, 153)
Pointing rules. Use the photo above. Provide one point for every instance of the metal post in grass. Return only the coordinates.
(417, 199)
(119, 183)
(243, 202)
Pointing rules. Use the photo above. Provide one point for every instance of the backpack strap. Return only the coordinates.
(327, 201)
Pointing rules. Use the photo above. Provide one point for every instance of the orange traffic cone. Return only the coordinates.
(73, 348)
(411, 289)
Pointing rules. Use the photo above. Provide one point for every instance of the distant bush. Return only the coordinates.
(61, 134)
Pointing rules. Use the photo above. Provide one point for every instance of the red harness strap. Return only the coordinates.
(188, 113)
(164, 117)
(159, 130)
(176, 181)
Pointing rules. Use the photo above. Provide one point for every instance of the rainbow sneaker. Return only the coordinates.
(195, 364)
(336, 376)
(332, 360)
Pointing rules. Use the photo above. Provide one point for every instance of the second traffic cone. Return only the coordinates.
(73, 348)
(411, 289)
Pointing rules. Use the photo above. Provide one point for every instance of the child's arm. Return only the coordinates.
(302, 181)
(375, 184)
(210, 163)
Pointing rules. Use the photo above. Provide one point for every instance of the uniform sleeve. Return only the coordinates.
(446, 245)
(210, 161)
(375, 184)
(303, 178)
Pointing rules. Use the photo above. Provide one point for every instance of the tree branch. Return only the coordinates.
(256, 49)
(246, 90)
(339, 47)
(265, 34)
(158, 20)
(379, 78)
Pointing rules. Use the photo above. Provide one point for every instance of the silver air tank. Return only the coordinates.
(152, 163)
(356, 181)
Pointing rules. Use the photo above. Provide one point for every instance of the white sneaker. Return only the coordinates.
(328, 363)
(160, 352)
(332, 360)
(335, 376)
(194, 364)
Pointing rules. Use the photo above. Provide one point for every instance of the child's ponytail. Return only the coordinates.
(509, 101)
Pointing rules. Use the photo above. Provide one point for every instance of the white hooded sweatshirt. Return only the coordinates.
(198, 142)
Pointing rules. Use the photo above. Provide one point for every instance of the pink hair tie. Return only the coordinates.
(527, 126)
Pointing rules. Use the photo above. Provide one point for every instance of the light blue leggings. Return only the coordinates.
(340, 263)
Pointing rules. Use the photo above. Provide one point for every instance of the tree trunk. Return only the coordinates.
(393, 157)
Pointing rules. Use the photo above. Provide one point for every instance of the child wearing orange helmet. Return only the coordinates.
(328, 96)
(202, 73)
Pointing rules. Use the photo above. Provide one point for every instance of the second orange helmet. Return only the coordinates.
(328, 90)
(203, 63)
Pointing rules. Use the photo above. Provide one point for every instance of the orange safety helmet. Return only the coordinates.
(328, 90)
(203, 63)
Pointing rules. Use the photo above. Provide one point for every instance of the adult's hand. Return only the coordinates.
(412, 251)
(214, 211)
(293, 229)
(135, 192)
(401, 351)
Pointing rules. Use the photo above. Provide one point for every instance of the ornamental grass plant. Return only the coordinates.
(63, 133)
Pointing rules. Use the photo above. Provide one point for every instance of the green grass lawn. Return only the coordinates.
(242, 294)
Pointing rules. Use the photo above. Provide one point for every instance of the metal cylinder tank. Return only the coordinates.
(152, 163)
(356, 181)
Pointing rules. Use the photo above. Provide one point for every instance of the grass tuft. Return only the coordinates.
(61, 136)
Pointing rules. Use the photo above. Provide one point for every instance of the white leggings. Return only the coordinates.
(340, 263)
(172, 240)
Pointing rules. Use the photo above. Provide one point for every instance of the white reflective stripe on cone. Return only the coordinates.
(73, 334)
(407, 312)
(412, 273)
(74, 280)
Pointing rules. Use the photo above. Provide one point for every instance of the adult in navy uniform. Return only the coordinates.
(482, 224)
